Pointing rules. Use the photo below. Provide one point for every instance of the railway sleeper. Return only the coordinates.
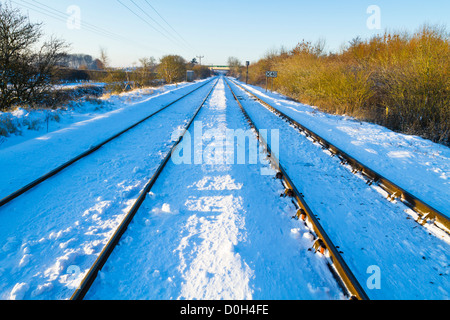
(300, 215)
(288, 192)
(319, 246)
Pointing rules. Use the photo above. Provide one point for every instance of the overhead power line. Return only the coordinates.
(62, 16)
(170, 26)
(83, 22)
(151, 18)
(146, 22)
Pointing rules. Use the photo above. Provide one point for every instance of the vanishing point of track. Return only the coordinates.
(323, 244)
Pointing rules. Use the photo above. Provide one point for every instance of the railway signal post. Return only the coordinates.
(272, 75)
(246, 79)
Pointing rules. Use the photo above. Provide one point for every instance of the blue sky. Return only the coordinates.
(246, 29)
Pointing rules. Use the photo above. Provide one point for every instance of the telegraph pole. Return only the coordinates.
(200, 59)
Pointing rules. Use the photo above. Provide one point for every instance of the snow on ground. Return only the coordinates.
(215, 230)
(417, 165)
(76, 84)
(369, 230)
(33, 123)
(38, 152)
(52, 234)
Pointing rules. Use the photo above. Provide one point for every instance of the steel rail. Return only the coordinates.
(50, 174)
(89, 279)
(425, 211)
(323, 243)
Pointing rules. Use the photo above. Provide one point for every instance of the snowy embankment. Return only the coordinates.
(20, 124)
(53, 233)
(417, 165)
(370, 231)
(33, 153)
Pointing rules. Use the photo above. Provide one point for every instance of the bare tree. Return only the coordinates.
(172, 68)
(235, 66)
(26, 74)
(104, 58)
(145, 70)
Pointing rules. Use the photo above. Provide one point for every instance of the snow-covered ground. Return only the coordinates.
(220, 232)
(214, 229)
(369, 230)
(417, 165)
(65, 222)
(25, 157)
(76, 84)
(29, 124)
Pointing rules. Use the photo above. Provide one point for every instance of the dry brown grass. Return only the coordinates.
(399, 80)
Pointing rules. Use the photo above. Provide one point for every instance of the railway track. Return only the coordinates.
(323, 243)
(91, 150)
(425, 212)
(87, 281)
(331, 214)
